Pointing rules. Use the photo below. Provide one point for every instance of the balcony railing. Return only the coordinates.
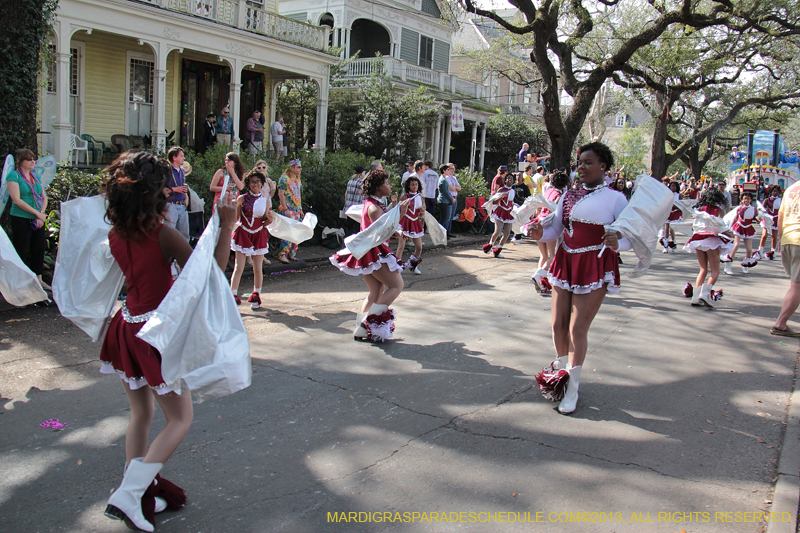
(238, 14)
(405, 71)
(523, 109)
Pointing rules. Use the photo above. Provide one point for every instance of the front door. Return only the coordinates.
(205, 89)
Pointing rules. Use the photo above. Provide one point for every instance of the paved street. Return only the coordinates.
(680, 419)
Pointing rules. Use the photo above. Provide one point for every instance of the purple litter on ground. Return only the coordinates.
(281, 272)
(53, 423)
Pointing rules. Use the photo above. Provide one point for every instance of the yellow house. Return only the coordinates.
(150, 67)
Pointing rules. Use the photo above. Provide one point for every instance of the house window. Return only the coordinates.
(73, 72)
(141, 88)
(52, 73)
(622, 119)
(425, 52)
(527, 95)
(512, 93)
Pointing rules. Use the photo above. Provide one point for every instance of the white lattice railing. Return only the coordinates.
(238, 13)
(285, 29)
(223, 11)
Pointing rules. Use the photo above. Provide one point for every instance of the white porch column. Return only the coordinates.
(273, 102)
(483, 147)
(235, 98)
(472, 147)
(322, 114)
(437, 135)
(62, 126)
(422, 135)
(447, 136)
(158, 132)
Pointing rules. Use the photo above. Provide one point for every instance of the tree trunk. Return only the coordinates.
(658, 151)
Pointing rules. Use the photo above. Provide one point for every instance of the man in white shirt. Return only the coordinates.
(430, 181)
(277, 130)
(408, 172)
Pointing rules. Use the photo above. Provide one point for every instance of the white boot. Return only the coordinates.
(126, 502)
(360, 333)
(537, 278)
(379, 323)
(570, 401)
(560, 362)
(696, 296)
(161, 503)
(727, 268)
(705, 295)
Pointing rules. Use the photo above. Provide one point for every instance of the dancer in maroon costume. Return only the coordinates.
(708, 243)
(250, 238)
(743, 230)
(411, 223)
(583, 271)
(772, 204)
(380, 267)
(144, 250)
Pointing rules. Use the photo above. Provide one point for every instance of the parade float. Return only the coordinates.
(762, 161)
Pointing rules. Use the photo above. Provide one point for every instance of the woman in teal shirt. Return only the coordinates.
(29, 203)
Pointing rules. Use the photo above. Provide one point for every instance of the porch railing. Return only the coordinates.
(413, 73)
(239, 14)
(523, 109)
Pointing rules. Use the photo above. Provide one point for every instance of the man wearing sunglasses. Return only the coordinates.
(225, 128)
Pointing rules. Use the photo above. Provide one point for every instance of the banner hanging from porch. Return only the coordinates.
(457, 117)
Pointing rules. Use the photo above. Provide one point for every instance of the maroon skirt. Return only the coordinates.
(576, 266)
(250, 243)
(135, 361)
(372, 261)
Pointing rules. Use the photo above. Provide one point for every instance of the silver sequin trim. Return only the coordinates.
(580, 250)
(135, 319)
(248, 230)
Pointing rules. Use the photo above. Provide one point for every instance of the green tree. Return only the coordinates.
(297, 103)
(23, 41)
(380, 119)
(631, 150)
(506, 133)
(577, 45)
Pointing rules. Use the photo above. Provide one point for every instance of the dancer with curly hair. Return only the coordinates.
(144, 248)
(580, 276)
(379, 266)
(708, 242)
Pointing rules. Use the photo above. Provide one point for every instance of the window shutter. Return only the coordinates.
(441, 56)
(409, 46)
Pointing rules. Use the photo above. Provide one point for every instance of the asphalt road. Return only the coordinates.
(679, 424)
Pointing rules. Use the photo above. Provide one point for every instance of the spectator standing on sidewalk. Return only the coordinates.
(430, 181)
(176, 192)
(277, 131)
(789, 231)
(353, 196)
(225, 132)
(444, 197)
(255, 132)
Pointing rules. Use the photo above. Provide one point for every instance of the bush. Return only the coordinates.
(325, 182)
(70, 183)
(472, 184)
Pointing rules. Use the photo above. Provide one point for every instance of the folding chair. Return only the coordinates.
(483, 216)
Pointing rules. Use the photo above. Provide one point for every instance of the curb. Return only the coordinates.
(312, 261)
(786, 496)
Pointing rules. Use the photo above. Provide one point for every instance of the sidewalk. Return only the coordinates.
(315, 255)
